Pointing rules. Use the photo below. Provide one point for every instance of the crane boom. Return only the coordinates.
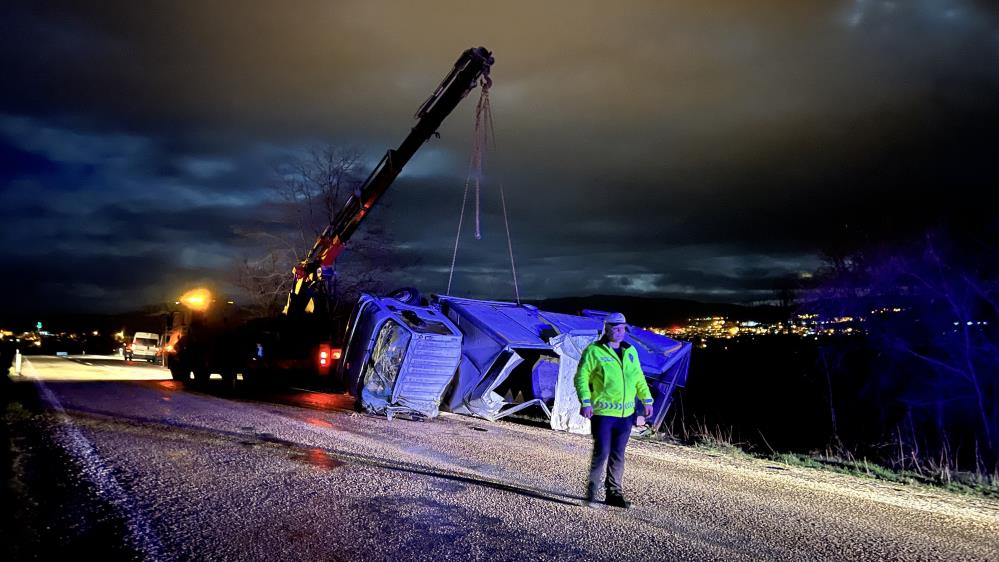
(474, 64)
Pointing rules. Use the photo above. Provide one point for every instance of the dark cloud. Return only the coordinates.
(15, 162)
(646, 148)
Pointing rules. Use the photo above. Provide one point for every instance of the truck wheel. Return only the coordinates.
(229, 378)
(408, 295)
(251, 377)
(179, 373)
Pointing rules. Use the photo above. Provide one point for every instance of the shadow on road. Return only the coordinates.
(316, 456)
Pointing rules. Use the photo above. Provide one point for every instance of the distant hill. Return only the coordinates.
(653, 311)
(643, 311)
(149, 320)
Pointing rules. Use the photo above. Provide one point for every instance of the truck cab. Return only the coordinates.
(399, 356)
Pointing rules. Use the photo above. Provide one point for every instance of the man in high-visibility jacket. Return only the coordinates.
(607, 382)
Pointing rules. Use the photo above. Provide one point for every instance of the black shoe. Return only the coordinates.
(591, 496)
(617, 500)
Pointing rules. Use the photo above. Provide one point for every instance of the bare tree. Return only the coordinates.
(265, 282)
(785, 291)
(315, 186)
(966, 353)
(311, 189)
(930, 308)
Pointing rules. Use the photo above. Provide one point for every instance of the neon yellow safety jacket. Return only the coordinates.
(609, 384)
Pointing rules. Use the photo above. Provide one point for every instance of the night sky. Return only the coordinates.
(678, 148)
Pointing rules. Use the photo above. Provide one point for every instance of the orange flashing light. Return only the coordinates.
(197, 299)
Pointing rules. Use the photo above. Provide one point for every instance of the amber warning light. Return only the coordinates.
(197, 299)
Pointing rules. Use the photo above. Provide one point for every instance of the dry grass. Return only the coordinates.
(913, 470)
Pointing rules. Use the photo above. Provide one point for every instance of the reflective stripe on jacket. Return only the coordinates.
(609, 384)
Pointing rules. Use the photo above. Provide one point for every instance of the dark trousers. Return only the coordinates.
(610, 438)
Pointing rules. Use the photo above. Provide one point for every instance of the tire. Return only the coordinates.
(407, 295)
(179, 373)
(229, 379)
(250, 380)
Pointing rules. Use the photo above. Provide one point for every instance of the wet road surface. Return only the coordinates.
(119, 460)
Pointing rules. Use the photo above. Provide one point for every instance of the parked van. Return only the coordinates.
(145, 345)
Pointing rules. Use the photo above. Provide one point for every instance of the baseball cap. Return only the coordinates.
(615, 318)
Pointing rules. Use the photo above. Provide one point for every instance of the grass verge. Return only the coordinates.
(717, 442)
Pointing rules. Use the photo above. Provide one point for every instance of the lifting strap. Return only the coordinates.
(484, 133)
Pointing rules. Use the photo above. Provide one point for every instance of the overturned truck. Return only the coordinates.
(490, 359)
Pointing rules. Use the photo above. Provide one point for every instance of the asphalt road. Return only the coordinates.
(120, 461)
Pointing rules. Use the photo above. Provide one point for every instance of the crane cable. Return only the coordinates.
(484, 132)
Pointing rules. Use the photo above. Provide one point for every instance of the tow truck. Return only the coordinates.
(215, 339)
(403, 354)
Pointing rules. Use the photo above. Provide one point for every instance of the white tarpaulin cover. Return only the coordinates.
(565, 412)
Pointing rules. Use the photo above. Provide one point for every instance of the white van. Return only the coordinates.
(145, 345)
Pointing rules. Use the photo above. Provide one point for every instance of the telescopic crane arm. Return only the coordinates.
(473, 65)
